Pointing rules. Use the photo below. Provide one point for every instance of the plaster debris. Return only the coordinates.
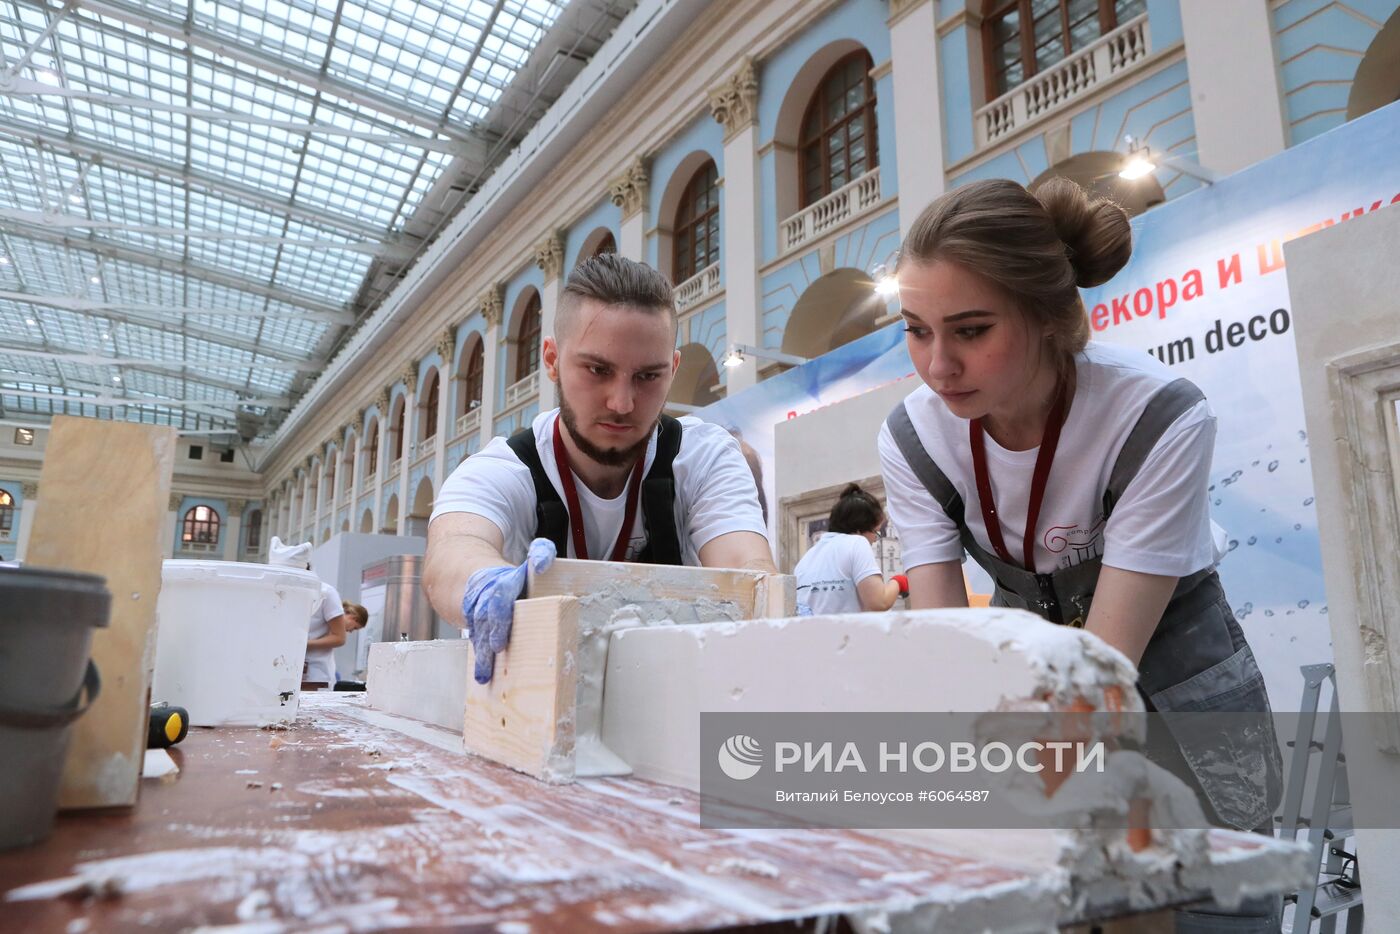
(254, 784)
(740, 866)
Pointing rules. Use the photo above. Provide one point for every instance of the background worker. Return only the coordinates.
(326, 632)
(839, 573)
(1074, 473)
(605, 476)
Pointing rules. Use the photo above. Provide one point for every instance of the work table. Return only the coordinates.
(352, 819)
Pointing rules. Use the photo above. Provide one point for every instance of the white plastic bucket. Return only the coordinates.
(232, 640)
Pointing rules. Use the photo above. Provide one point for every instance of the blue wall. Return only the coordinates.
(1320, 44)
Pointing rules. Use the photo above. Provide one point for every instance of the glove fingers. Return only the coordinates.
(485, 663)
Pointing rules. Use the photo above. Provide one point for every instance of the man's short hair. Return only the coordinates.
(614, 280)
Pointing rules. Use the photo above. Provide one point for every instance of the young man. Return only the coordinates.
(605, 476)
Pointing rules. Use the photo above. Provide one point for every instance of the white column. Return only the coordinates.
(918, 107)
(446, 344)
(321, 493)
(233, 528)
(382, 458)
(170, 540)
(338, 484)
(1229, 46)
(410, 401)
(356, 477)
(629, 192)
(30, 493)
(304, 504)
(492, 304)
(735, 105)
(549, 256)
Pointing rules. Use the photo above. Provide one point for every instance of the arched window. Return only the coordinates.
(430, 408)
(7, 512)
(838, 131)
(697, 223)
(1023, 37)
(475, 380)
(398, 431)
(330, 476)
(527, 350)
(201, 526)
(372, 451)
(254, 530)
(605, 245)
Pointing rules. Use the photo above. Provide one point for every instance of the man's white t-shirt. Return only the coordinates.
(1160, 526)
(320, 663)
(715, 493)
(828, 573)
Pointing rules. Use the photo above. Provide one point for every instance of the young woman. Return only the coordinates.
(839, 573)
(1074, 473)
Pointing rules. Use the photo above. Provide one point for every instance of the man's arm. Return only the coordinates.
(459, 545)
(744, 550)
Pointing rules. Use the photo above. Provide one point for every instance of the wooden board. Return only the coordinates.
(106, 492)
(525, 717)
(750, 593)
(374, 830)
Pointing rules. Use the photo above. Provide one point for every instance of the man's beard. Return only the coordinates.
(608, 457)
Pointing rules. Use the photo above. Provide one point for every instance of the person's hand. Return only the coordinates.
(903, 583)
(489, 605)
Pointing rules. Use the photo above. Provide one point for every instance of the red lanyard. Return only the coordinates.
(1043, 460)
(566, 474)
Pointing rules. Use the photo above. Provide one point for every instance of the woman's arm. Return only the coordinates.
(877, 594)
(937, 585)
(1127, 607)
(333, 639)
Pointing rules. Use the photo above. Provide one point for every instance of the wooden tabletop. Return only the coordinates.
(341, 822)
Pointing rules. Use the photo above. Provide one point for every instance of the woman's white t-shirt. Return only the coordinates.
(320, 663)
(1160, 526)
(715, 493)
(828, 573)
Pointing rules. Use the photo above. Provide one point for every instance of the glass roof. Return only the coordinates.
(193, 195)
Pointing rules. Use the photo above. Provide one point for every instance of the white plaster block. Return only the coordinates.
(423, 680)
(660, 679)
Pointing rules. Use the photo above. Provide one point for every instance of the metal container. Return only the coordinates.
(407, 614)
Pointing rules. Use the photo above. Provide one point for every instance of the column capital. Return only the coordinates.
(629, 190)
(409, 376)
(549, 256)
(29, 490)
(734, 102)
(492, 304)
(381, 402)
(175, 500)
(446, 343)
(236, 507)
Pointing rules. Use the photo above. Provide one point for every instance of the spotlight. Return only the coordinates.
(1136, 166)
(732, 358)
(887, 286)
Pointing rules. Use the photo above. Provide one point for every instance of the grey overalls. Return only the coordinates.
(1197, 659)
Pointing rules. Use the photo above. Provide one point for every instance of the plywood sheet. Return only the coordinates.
(525, 717)
(105, 491)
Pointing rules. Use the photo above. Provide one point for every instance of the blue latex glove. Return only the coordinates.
(489, 605)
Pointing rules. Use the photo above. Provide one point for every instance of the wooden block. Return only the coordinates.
(423, 680)
(106, 496)
(525, 717)
(712, 592)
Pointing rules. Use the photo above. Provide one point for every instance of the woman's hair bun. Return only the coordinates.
(852, 489)
(1095, 229)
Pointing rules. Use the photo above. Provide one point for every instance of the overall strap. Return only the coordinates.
(551, 515)
(1171, 402)
(659, 498)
